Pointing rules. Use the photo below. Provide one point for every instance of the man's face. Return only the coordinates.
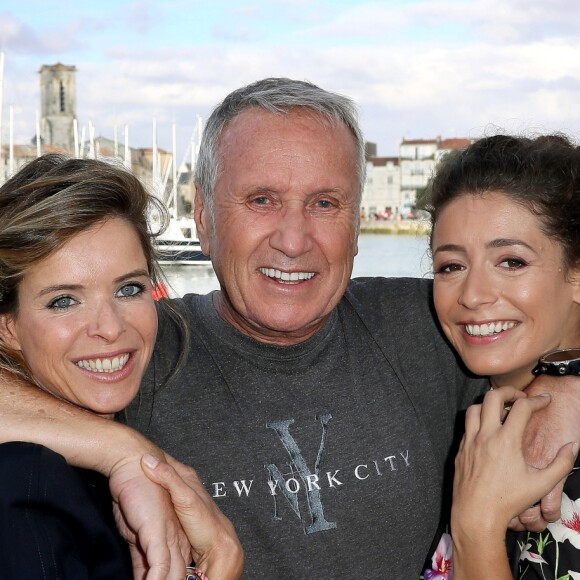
(285, 210)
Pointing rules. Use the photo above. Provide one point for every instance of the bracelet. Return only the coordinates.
(565, 361)
(194, 574)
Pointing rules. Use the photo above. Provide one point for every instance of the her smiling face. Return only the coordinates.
(501, 290)
(86, 320)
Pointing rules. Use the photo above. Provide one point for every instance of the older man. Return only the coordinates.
(319, 411)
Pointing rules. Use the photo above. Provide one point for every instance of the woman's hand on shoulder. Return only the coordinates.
(215, 545)
(146, 518)
(493, 482)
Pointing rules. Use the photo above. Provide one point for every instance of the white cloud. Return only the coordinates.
(474, 64)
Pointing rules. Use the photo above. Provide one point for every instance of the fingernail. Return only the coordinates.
(544, 395)
(150, 461)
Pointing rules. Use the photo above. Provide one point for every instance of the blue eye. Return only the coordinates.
(62, 303)
(132, 289)
(324, 203)
(262, 200)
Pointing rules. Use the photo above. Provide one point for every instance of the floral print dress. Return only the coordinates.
(441, 562)
(553, 554)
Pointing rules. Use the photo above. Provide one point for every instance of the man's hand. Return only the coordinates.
(548, 430)
(215, 545)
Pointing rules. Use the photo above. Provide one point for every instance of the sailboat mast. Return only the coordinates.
(92, 150)
(174, 167)
(2, 173)
(155, 163)
(127, 152)
(38, 148)
(76, 137)
(11, 141)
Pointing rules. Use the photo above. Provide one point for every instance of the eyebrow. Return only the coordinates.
(497, 243)
(133, 274)
(504, 242)
(72, 287)
(258, 189)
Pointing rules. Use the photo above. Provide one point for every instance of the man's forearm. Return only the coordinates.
(557, 424)
(83, 438)
(547, 431)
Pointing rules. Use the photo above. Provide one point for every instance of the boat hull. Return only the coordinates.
(187, 252)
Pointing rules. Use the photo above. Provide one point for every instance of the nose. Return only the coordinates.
(477, 289)
(107, 322)
(291, 236)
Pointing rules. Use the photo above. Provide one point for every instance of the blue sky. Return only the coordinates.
(416, 68)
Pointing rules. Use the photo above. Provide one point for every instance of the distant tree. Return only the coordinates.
(422, 197)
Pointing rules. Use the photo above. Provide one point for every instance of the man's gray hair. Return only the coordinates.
(276, 95)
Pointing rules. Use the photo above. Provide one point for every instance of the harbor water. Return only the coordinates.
(379, 255)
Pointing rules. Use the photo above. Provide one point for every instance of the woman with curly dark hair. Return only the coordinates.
(506, 254)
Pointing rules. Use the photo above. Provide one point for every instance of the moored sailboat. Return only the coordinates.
(178, 244)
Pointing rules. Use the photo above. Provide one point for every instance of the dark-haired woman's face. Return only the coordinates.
(501, 291)
(86, 320)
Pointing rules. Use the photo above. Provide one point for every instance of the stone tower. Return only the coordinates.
(58, 96)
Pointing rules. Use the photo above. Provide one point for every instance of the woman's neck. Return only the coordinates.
(517, 382)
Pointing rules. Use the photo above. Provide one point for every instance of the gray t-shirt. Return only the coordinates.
(328, 455)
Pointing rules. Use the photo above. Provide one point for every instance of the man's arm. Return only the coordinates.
(83, 438)
(115, 450)
(87, 440)
(548, 430)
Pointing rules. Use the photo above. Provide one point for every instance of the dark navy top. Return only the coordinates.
(56, 521)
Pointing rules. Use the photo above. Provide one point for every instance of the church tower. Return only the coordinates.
(58, 96)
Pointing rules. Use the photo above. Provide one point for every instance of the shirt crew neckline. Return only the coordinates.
(233, 337)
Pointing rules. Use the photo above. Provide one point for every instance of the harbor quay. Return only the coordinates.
(395, 226)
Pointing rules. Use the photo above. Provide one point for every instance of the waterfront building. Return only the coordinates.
(392, 183)
(418, 158)
(448, 145)
(382, 193)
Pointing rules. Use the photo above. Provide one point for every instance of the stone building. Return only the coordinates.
(58, 101)
(392, 183)
(382, 192)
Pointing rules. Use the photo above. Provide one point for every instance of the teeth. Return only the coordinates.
(488, 329)
(286, 276)
(104, 365)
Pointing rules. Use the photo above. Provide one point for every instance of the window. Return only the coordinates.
(62, 99)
